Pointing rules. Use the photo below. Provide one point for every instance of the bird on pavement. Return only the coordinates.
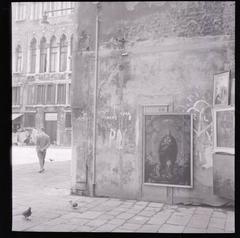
(73, 204)
(27, 213)
(51, 160)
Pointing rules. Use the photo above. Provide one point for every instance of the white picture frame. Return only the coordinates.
(224, 129)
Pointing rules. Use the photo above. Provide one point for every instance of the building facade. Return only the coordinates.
(155, 59)
(42, 67)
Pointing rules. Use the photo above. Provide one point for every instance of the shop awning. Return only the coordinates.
(16, 115)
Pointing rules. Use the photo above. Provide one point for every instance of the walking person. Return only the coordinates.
(42, 143)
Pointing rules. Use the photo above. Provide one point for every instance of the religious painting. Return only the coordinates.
(224, 130)
(167, 143)
(221, 89)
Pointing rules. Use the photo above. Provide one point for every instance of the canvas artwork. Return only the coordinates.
(224, 130)
(223, 175)
(221, 89)
(168, 149)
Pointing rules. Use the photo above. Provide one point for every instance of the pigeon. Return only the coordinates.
(73, 204)
(27, 213)
(51, 160)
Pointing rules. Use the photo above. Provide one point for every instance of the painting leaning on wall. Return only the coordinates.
(168, 149)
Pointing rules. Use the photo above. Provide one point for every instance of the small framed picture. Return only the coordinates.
(224, 130)
(221, 89)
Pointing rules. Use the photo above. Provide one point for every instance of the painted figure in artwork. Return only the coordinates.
(167, 155)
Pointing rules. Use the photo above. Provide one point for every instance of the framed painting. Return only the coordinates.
(221, 84)
(167, 149)
(224, 130)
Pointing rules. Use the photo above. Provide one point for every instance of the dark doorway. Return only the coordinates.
(50, 125)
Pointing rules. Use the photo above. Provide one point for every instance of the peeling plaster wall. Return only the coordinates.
(170, 62)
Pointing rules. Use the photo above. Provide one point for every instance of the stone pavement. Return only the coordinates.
(27, 154)
(48, 195)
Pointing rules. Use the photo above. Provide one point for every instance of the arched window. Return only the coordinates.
(71, 52)
(63, 53)
(33, 52)
(53, 54)
(18, 58)
(43, 55)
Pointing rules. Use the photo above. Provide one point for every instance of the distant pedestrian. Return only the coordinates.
(42, 143)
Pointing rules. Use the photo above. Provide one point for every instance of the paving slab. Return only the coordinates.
(138, 220)
(160, 218)
(118, 230)
(125, 215)
(115, 212)
(126, 207)
(217, 223)
(168, 228)
(152, 209)
(138, 206)
(90, 214)
(148, 228)
(106, 227)
(106, 217)
(130, 226)
(40, 227)
(128, 203)
(72, 215)
(117, 221)
(96, 222)
(199, 221)
(133, 211)
(22, 225)
(215, 230)
(113, 203)
(78, 221)
(66, 227)
(180, 219)
(100, 209)
(188, 210)
(230, 224)
(146, 213)
(194, 230)
(56, 221)
(230, 213)
(204, 211)
(219, 214)
(156, 204)
(141, 203)
(83, 229)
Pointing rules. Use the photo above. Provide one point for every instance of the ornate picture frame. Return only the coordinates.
(167, 149)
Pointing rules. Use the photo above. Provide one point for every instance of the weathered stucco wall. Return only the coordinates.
(166, 63)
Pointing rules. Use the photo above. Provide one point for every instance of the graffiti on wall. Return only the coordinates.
(198, 105)
(115, 130)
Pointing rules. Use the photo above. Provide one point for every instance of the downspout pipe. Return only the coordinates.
(95, 106)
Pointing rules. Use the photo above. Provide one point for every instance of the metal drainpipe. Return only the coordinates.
(95, 106)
